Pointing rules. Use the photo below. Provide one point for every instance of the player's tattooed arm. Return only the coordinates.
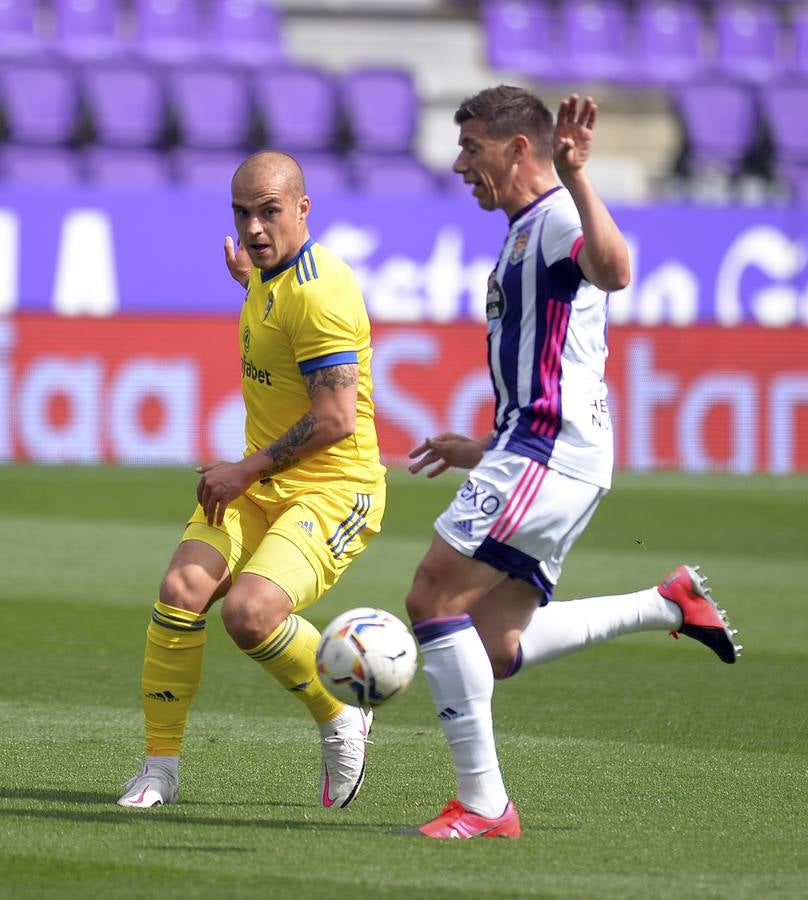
(332, 417)
(333, 378)
(285, 452)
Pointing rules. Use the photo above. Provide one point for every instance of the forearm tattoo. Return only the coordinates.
(284, 453)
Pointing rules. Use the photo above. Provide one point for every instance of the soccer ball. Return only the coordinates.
(366, 656)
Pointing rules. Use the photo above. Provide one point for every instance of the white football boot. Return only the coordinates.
(345, 750)
(156, 783)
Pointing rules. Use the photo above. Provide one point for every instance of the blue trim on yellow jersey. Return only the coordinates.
(306, 267)
(271, 273)
(330, 359)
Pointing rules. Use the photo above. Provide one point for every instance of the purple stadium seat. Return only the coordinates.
(785, 107)
(244, 32)
(20, 36)
(671, 41)
(521, 36)
(168, 31)
(298, 106)
(126, 103)
(40, 103)
(719, 120)
(393, 173)
(212, 106)
(749, 41)
(88, 29)
(212, 169)
(46, 166)
(324, 173)
(128, 168)
(597, 40)
(799, 33)
(382, 108)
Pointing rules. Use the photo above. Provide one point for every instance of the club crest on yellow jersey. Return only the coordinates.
(270, 304)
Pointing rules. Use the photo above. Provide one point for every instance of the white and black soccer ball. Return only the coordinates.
(366, 656)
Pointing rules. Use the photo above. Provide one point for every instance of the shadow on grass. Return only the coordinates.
(116, 815)
(56, 795)
(136, 817)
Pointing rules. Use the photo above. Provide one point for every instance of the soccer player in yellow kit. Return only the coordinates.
(274, 531)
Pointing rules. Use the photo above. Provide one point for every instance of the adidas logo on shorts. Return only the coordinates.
(308, 527)
(463, 526)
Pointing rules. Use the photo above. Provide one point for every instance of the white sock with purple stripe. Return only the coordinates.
(565, 626)
(461, 682)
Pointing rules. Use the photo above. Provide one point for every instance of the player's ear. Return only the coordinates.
(520, 147)
(303, 207)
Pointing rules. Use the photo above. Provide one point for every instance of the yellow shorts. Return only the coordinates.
(302, 540)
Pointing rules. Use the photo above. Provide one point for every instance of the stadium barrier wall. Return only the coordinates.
(166, 389)
(419, 259)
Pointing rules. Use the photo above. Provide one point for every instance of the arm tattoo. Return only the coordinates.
(284, 452)
(332, 377)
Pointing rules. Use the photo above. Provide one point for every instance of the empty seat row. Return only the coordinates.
(723, 121)
(296, 108)
(650, 42)
(136, 168)
(246, 32)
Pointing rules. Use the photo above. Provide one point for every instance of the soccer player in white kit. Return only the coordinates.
(480, 600)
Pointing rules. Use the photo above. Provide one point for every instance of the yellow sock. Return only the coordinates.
(288, 654)
(172, 670)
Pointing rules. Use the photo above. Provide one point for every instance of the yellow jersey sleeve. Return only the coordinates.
(325, 324)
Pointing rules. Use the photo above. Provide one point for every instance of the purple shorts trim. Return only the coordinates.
(517, 564)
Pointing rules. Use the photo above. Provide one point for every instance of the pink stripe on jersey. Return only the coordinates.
(547, 405)
(517, 505)
(530, 496)
(576, 248)
(559, 333)
(541, 402)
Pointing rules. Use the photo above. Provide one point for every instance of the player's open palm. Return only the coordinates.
(572, 138)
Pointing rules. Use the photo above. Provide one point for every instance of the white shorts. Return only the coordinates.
(519, 516)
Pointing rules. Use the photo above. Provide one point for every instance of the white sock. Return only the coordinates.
(346, 718)
(565, 626)
(461, 682)
(167, 763)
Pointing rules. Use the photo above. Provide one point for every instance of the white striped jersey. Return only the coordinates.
(547, 345)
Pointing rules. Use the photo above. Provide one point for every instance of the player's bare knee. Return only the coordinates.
(248, 620)
(181, 590)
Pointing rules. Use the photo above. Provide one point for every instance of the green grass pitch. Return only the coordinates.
(641, 768)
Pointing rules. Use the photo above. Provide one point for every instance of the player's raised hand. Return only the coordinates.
(572, 138)
(237, 260)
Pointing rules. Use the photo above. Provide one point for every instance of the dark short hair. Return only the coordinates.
(506, 111)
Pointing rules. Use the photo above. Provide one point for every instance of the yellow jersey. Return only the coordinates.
(301, 316)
